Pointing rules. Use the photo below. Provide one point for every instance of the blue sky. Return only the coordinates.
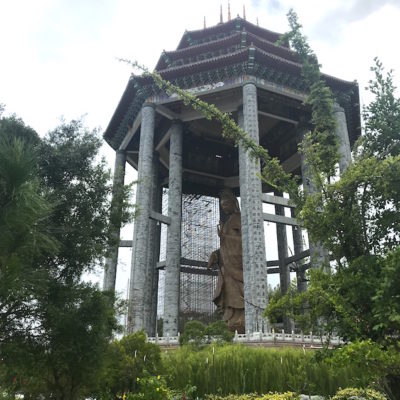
(59, 57)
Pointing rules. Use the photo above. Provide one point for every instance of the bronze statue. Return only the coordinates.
(228, 296)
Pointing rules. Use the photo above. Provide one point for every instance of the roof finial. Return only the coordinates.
(204, 22)
(244, 12)
(221, 20)
(229, 11)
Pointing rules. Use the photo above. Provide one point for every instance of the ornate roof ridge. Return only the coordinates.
(282, 48)
(243, 50)
(298, 65)
(276, 57)
(230, 55)
(221, 27)
(197, 47)
(206, 61)
(235, 35)
(206, 44)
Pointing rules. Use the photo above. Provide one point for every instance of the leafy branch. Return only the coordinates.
(272, 172)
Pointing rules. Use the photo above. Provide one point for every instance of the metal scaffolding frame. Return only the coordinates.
(200, 217)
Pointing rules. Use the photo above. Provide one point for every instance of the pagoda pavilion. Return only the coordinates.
(236, 66)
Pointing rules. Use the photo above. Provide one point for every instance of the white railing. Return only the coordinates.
(262, 337)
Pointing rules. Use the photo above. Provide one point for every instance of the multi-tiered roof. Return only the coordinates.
(220, 53)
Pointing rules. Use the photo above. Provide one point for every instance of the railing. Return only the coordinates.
(263, 337)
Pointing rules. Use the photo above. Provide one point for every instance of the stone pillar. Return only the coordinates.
(140, 250)
(150, 302)
(154, 300)
(254, 260)
(243, 172)
(343, 138)
(318, 254)
(284, 270)
(110, 268)
(173, 257)
(298, 248)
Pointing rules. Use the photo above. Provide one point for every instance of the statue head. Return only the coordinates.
(229, 202)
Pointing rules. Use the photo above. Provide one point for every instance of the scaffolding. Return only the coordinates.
(200, 217)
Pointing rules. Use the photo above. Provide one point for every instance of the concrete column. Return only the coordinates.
(154, 300)
(110, 268)
(140, 251)
(284, 270)
(254, 260)
(298, 248)
(343, 138)
(243, 172)
(173, 257)
(318, 254)
(150, 302)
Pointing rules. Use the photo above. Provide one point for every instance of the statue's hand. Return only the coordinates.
(213, 260)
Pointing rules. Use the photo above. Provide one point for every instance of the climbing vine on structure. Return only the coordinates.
(319, 145)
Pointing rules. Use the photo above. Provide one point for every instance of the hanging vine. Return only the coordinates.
(319, 145)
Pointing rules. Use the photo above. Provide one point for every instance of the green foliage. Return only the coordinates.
(64, 361)
(234, 369)
(24, 233)
(359, 214)
(151, 387)
(320, 145)
(275, 311)
(357, 220)
(379, 365)
(193, 333)
(355, 393)
(386, 302)
(381, 116)
(12, 127)
(357, 302)
(54, 225)
(128, 361)
(254, 396)
(196, 333)
(218, 331)
(79, 186)
(307, 307)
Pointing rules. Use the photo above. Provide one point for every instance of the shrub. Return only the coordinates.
(151, 387)
(197, 334)
(253, 396)
(128, 361)
(380, 366)
(235, 369)
(219, 331)
(358, 394)
(194, 333)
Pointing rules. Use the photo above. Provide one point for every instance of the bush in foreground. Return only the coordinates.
(235, 369)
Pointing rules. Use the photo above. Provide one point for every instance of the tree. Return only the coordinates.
(79, 186)
(59, 233)
(24, 233)
(358, 221)
(128, 361)
(63, 361)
